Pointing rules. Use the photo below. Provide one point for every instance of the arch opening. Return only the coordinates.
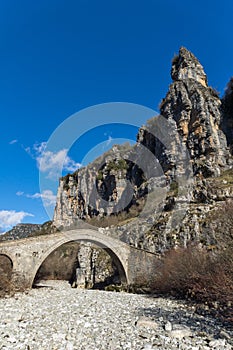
(84, 263)
(6, 268)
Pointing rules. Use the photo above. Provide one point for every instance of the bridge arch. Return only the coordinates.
(6, 265)
(7, 258)
(112, 246)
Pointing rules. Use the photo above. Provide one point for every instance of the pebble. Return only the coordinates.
(146, 322)
(180, 333)
(168, 326)
(58, 317)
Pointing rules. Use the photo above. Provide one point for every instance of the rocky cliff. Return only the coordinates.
(114, 189)
(21, 231)
(110, 185)
(193, 110)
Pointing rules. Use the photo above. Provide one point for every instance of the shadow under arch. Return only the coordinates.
(6, 265)
(85, 236)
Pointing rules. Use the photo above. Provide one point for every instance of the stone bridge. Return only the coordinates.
(136, 267)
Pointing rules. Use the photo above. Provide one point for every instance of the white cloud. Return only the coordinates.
(109, 140)
(9, 218)
(19, 193)
(52, 162)
(12, 142)
(106, 143)
(47, 196)
(40, 147)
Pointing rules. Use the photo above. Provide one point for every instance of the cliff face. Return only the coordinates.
(113, 189)
(192, 108)
(100, 189)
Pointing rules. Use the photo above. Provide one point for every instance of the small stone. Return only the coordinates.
(68, 337)
(12, 339)
(168, 326)
(69, 346)
(146, 322)
(181, 333)
(148, 347)
(217, 343)
(144, 335)
(202, 334)
(87, 325)
(224, 335)
(58, 337)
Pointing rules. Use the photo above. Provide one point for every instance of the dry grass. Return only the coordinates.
(120, 218)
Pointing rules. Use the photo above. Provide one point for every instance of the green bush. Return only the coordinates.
(120, 164)
(174, 187)
(99, 176)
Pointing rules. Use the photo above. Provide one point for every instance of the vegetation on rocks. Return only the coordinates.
(203, 274)
(196, 273)
(117, 165)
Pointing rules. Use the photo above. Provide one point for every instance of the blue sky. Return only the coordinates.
(58, 57)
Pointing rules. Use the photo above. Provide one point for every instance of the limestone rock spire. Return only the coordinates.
(196, 110)
(186, 66)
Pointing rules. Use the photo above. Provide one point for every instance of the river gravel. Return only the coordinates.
(57, 317)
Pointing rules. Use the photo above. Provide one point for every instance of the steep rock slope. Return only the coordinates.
(188, 143)
(111, 184)
(192, 108)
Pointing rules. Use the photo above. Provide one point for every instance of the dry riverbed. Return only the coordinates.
(57, 317)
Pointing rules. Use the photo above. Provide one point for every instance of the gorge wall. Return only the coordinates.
(155, 203)
(113, 189)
